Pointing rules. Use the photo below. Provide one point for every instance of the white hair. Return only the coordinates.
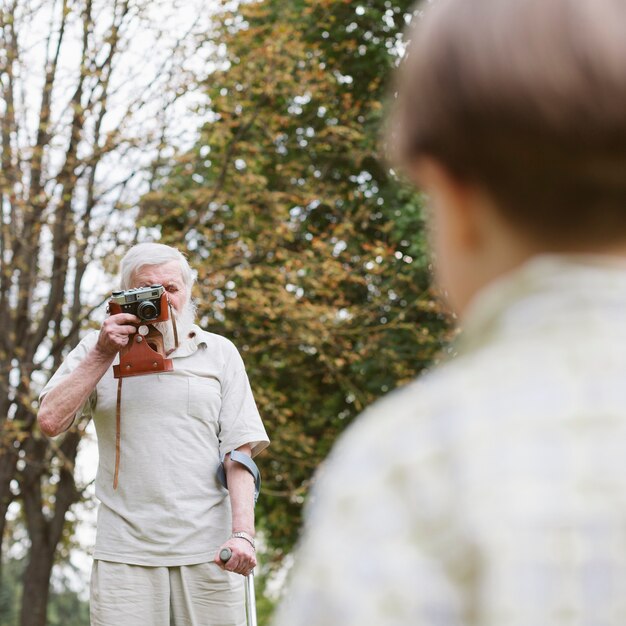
(153, 254)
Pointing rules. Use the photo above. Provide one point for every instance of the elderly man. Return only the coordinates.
(163, 523)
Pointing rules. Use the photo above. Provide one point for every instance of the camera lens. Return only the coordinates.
(147, 311)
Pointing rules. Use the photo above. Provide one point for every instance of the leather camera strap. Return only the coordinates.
(118, 431)
(118, 409)
(173, 325)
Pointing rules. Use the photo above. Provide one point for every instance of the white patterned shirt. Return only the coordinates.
(492, 491)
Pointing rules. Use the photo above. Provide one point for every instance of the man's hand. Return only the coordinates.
(243, 557)
(61, 404)
(115, 333)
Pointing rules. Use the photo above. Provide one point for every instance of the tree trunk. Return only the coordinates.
(45, 531)
(36, 588)
(58, 217)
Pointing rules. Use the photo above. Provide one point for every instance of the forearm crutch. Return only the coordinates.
(225, 554)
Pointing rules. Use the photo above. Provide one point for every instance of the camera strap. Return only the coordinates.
(119, 374)
(118, 431)
(169, 304)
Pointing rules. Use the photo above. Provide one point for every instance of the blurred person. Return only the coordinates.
(161, 528)
(492, 490)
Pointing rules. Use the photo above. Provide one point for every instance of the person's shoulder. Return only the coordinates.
(427, 414)
(89, 340)
(442, 406)
(394, 442)
(433, 392)
(392, 421)
(215, 341)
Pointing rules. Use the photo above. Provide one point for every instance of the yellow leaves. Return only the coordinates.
(349, 45)
(342, 132)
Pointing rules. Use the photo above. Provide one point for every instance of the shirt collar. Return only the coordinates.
(190, 343)
(545, 288)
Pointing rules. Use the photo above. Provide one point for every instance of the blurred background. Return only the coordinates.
(248, 134)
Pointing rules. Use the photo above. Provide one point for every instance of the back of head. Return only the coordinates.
(144, 254)
(526, 98)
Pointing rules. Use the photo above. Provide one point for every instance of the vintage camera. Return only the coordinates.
(149, 304)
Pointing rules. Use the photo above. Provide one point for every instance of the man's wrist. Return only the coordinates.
(240, 534)
(102, 355)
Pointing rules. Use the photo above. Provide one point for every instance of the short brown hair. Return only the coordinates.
(528, 99)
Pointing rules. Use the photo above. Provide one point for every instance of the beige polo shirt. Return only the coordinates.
(169, 508)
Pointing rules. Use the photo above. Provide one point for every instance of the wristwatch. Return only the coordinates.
(245, 537)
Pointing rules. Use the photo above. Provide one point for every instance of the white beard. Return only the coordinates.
(184, 322)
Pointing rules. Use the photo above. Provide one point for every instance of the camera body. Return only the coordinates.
(149, 304)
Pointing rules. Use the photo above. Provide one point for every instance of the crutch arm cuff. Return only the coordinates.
(248, 463)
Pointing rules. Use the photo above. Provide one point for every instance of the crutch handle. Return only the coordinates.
(225, 554)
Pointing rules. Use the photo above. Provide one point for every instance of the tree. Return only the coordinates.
(310, 253)
(84, 109)
(66, 608)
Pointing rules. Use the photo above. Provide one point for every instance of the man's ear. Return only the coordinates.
(453, 202)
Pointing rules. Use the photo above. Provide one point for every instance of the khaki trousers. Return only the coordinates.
(188, 595)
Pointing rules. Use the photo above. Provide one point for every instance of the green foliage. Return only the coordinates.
(310, 253)
(264, 605)
(10, 592)
(65, 608)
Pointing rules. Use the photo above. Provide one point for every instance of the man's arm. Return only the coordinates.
(241, 491)
(60, 405)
